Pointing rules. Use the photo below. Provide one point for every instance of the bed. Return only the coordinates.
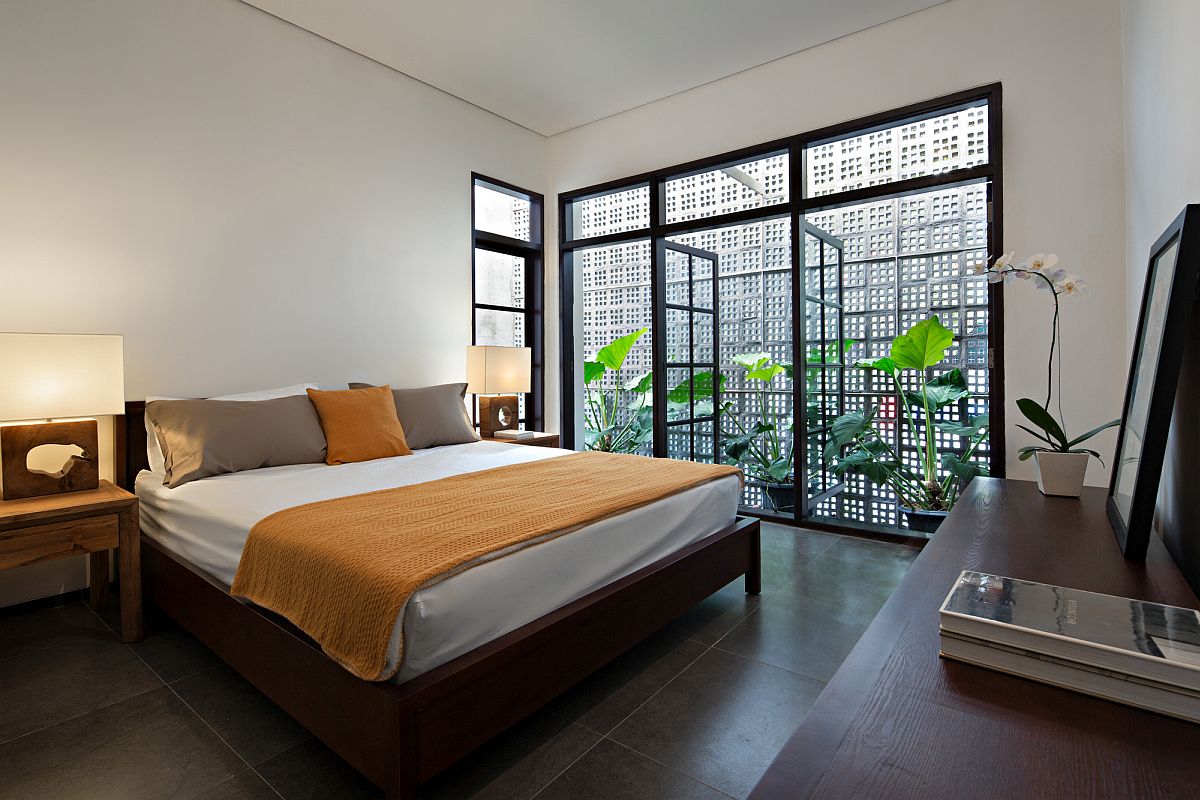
(472, 665)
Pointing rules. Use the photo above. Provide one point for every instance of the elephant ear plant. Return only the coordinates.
(620, 418)
(856, 444)
(765, 448)
(620, 421)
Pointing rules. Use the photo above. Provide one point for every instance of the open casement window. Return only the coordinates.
(762, 277)
(507, 279)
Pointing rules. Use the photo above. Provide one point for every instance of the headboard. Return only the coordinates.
(129, 446)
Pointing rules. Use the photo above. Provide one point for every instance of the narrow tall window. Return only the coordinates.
(507, 280)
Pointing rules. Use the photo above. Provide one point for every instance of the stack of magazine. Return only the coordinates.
(1129, 651)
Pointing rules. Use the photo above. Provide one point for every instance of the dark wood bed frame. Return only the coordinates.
(400, 736)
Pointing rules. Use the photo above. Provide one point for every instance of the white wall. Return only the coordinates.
(1060, 63)
(1162, 133)
(248, 204)
(1162, 127)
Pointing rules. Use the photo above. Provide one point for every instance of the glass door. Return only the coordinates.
(693, 397)
(825, 350)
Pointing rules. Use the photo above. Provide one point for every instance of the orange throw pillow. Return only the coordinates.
(359, 424)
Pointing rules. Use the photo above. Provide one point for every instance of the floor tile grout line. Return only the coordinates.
(604, 736)
(7, 742)
(223, 741)
(600, 738)
(197, 715)
(754, 660)
(672, 769)
(659, 690)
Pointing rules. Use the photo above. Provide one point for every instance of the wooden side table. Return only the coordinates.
(38, 529)
(540, 440)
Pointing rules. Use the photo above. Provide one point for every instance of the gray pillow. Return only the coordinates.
(202, 438)
(433, 415)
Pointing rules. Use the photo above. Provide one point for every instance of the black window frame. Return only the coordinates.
(533, 253)
(795, 208)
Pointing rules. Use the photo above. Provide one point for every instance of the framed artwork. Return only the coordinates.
(1168, 301)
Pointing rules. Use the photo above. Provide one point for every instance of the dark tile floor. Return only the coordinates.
(697, 711)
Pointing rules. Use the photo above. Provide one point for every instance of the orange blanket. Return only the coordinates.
(342, 570)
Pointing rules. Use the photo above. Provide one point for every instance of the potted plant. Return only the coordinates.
(619, 420)
(929, 490)
(1059, 461)
(764, 449)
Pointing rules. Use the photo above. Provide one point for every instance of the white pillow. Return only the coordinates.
(154, 455)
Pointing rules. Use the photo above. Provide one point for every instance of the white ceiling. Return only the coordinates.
(551, 65)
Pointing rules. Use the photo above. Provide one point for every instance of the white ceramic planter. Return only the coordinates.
(1061, 474)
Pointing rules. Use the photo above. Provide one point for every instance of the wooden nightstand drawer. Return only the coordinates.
(44, 542)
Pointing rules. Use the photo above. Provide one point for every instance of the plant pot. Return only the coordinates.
(1061, 474)
(779, 496)
(922, 520)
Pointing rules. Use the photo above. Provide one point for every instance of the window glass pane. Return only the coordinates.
(625, 210)
(753, 184)
(905, 258)
(504, 328)
(499, 279)
(753, 298)
(503, 213)
(948, 142)
(616, 303)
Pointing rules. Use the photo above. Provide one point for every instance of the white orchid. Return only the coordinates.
(1003, 262)
(1073, 284)
(1040, 261)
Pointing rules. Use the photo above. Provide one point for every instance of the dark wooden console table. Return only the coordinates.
(896, 721)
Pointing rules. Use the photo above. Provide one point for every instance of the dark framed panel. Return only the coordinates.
(522, 243)
(1168, 302)
(656, 225)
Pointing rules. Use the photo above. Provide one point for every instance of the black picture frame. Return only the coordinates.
(1168, 301)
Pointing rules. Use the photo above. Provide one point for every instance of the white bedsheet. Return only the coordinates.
(207, 522)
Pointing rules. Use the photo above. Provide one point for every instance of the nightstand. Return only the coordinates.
(540, 440)
(38, 529)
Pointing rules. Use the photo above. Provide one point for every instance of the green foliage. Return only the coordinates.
(1052, 435)
(765, 447)
(616, 419)
(856, 445)
(621, 419)
(613, 354)
(923, 346)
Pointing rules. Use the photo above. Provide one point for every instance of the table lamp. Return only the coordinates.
(495, 374)
(49, 377)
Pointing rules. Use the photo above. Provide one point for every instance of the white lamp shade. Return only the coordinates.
(498, 370)
(48, 375)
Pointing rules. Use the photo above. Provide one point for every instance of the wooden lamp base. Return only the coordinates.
(77, 474)
(497, 413)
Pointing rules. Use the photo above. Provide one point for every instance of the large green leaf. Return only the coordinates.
(592, 371)
(963, 470)
(974, 427)
(764, 373)
(852, 425)
(1093, 432)
(613, 354)
(736, 447)
(947, 388)
(923, 346)
(885, 364)
(750, 360)
(640, 384)
(866, 462)
(1039, 416)
(1041, 437)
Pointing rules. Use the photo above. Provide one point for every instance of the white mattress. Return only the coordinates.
(207, 521)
